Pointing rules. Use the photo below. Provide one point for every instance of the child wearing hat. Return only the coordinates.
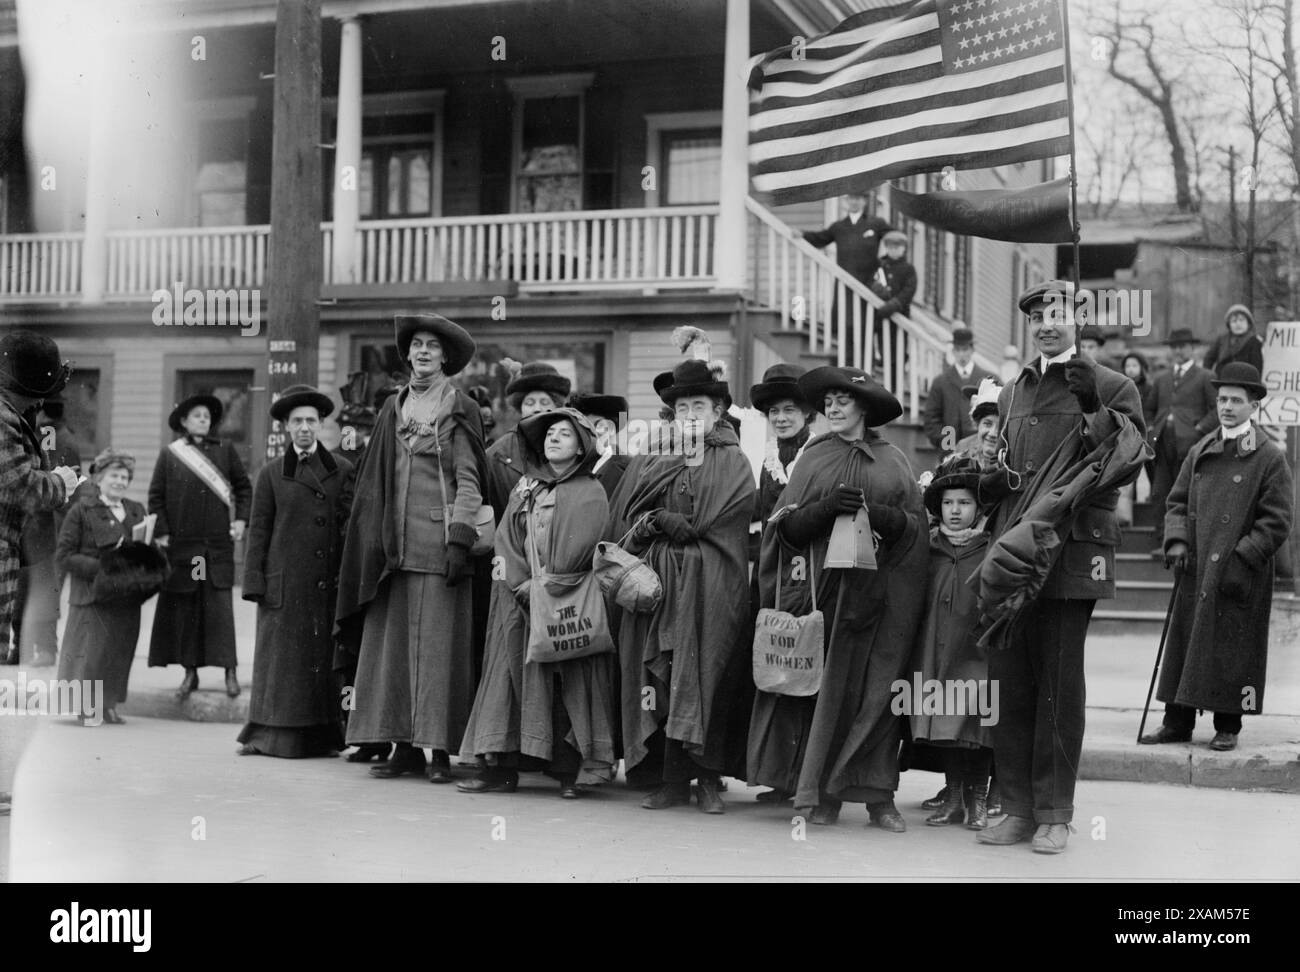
(895, 279)
(1228, 515)
(947, 652)
(1241, 343)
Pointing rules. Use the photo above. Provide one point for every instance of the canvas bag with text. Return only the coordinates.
(789, 650)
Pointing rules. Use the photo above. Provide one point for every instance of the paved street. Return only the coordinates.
(127, 803)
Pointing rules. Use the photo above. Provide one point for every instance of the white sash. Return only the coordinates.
(199, 464)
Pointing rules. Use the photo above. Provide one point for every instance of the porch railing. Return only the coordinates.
(141, 262)
(590, 249)
(839, 314)
(40, 266)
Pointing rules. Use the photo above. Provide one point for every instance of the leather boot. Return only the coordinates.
(188, 684)
(232, 683)
(977, 804)
(936, 801)
(710, 800)
(953, 809)
(405, 759)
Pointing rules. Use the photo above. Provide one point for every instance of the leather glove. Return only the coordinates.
(1176, 556)
(460, 536)
(994, 485)
(888, 522)
(1234, 583)
(889, 307)
(842, 499)
(1081, 379)
(675, 527)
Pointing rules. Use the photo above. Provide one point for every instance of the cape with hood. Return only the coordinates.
(685, 650)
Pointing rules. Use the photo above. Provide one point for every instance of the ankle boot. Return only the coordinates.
(232, 683)
(978, 805)
(953, 809)
(188, 684)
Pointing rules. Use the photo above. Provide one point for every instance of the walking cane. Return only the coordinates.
(1173, 599)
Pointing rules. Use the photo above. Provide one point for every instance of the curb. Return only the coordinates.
(201, 706)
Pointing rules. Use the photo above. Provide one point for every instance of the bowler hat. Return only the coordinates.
(879, 405)
(612, 407)
(457, 346)
(537, 376)
(690, 377)
(780, 382)
(213, 404)
(959, 472)
(963, 337)
(30, 364)
(297, 396)
(1091, 332)
(1050, 290)
(1181, 335)
(1241, 375)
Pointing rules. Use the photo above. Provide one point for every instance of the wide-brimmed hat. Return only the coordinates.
(1091, 332)
(30, 364)
(538, 376)
(612, 407)
(690, 377)
(1238, 309)
(780, 382)
(879, 405)
(457, 346)
(957, 473)
(1242, 375)
(535, 427)
(963, 337)
(112, 457)
(983, 398)
(1182, 335)
(296, 396)
(1050, 290)
(214, 406)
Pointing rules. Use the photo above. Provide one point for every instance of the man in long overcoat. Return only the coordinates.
(946, 405)
(291, 565)
(1185, 414)
(1038, 738)
(1229, 513)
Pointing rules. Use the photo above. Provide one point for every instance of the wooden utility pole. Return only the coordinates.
(294, 268)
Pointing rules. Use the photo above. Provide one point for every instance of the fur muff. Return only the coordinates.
(134, 571)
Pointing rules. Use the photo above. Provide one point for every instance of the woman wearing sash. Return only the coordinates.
(557, 717)
(848, 737)
(201, 496)
(404, 601)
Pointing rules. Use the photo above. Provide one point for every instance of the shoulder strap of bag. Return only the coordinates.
(534, 558)
(812, 576)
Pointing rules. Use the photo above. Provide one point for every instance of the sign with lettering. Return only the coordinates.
(1281, 406)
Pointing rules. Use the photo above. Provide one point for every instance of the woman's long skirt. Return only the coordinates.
(99, 644)
(195, 629)
(561, 716)
(415, 671)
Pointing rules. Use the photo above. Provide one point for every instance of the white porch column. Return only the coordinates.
(347, 157)
(729, 248)
(99, 181)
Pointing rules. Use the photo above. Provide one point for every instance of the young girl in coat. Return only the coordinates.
(947, 654)
(556, 717)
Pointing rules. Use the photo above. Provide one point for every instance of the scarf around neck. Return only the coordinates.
(959, 538)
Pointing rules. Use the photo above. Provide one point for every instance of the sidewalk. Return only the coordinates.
(1118, 672)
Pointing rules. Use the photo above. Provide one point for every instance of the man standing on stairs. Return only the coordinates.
(1185, 413)
(945, 418)
(1038, 737)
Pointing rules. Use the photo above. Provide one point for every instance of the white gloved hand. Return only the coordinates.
(69, 477)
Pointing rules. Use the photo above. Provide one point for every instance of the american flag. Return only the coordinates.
(904, 88)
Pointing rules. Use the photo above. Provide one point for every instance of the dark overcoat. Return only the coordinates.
(1038, 412)
(1192, 407)
(857, 245)
(946, 406)
(291, 565)
(1228, 499)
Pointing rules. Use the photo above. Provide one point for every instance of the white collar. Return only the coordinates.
(1182, 369)
(1236, 433)
(964, 372)
(854, 219)
(1064, 356)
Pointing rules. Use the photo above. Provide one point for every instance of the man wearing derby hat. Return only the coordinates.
(1186, 411)
(945, 418)
(295, 538)
(1059, 399)
(201, 496)
(1228, 515)
(30, 370)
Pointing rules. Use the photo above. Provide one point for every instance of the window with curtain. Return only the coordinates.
(692, 166)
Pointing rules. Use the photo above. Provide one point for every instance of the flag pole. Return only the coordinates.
(1074, 169)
